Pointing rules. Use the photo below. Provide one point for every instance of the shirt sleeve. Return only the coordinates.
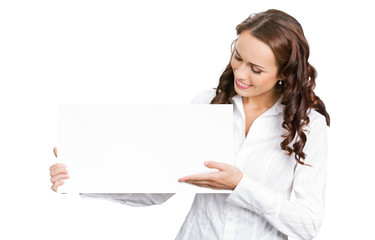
(132, 199)
(300, 218)
(204, 96)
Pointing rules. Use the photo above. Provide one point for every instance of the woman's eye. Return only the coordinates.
(252, 69)
(257, 72)
(237, 58)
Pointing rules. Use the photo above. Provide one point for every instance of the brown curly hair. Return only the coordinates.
(284, 35)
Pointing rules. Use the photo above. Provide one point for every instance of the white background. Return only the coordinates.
(163, 51)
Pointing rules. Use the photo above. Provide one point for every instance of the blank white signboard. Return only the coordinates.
(141, 148)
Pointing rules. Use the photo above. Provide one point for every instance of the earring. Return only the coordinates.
(280, 82)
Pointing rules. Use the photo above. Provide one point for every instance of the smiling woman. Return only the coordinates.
(275, 50)
(270, 84)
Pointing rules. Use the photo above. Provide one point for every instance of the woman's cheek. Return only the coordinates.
(256, 79)
(233, 64)
(262, 79)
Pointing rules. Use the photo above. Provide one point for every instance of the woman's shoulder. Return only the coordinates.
(317, 120)
(204, 96)
(315, 115)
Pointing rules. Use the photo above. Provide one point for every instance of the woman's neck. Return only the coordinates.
(261, 102)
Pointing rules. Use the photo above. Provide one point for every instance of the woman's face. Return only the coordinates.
(255, 66)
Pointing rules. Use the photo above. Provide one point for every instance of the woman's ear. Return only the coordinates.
(281, 77)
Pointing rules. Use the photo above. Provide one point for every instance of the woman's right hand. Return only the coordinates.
(58, 172)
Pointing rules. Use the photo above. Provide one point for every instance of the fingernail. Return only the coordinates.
(206, 163)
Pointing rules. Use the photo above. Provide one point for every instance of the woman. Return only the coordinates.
(280, 129)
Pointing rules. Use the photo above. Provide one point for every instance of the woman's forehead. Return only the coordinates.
(253, 50)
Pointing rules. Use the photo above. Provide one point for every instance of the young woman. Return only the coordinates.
(280, 141)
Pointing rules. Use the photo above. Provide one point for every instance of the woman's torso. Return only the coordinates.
(257, 154)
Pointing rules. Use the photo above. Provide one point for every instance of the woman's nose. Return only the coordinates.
(242, 72)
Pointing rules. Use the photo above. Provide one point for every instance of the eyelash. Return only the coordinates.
(252, 69)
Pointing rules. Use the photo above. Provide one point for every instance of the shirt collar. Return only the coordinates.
(274, 110)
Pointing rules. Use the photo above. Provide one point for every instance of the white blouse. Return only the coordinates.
(260, 207)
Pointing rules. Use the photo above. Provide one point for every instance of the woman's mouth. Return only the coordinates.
(241, 85)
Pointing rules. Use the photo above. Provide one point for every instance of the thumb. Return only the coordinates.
(218, 165)
(55, 151)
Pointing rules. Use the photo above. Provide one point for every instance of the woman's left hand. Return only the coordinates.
(227, 177)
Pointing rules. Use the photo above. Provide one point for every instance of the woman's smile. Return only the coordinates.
(242, 85)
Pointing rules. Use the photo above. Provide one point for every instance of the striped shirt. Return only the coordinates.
(260, 207)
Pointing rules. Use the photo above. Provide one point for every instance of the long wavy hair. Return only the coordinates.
(284, 35)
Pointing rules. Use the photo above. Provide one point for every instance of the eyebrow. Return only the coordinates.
(249, 62)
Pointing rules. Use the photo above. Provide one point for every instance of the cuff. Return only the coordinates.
(254, 196)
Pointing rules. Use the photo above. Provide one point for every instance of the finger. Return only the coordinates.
(58, 170)
(217, 165)
(204, 184)
(59, 177)
(208, 183)
(57, 165)
(56, 185)
(55, 151)
(198, 177)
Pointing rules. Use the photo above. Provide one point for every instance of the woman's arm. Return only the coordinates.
(302, 217)
(132, 199)
(59, 172)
